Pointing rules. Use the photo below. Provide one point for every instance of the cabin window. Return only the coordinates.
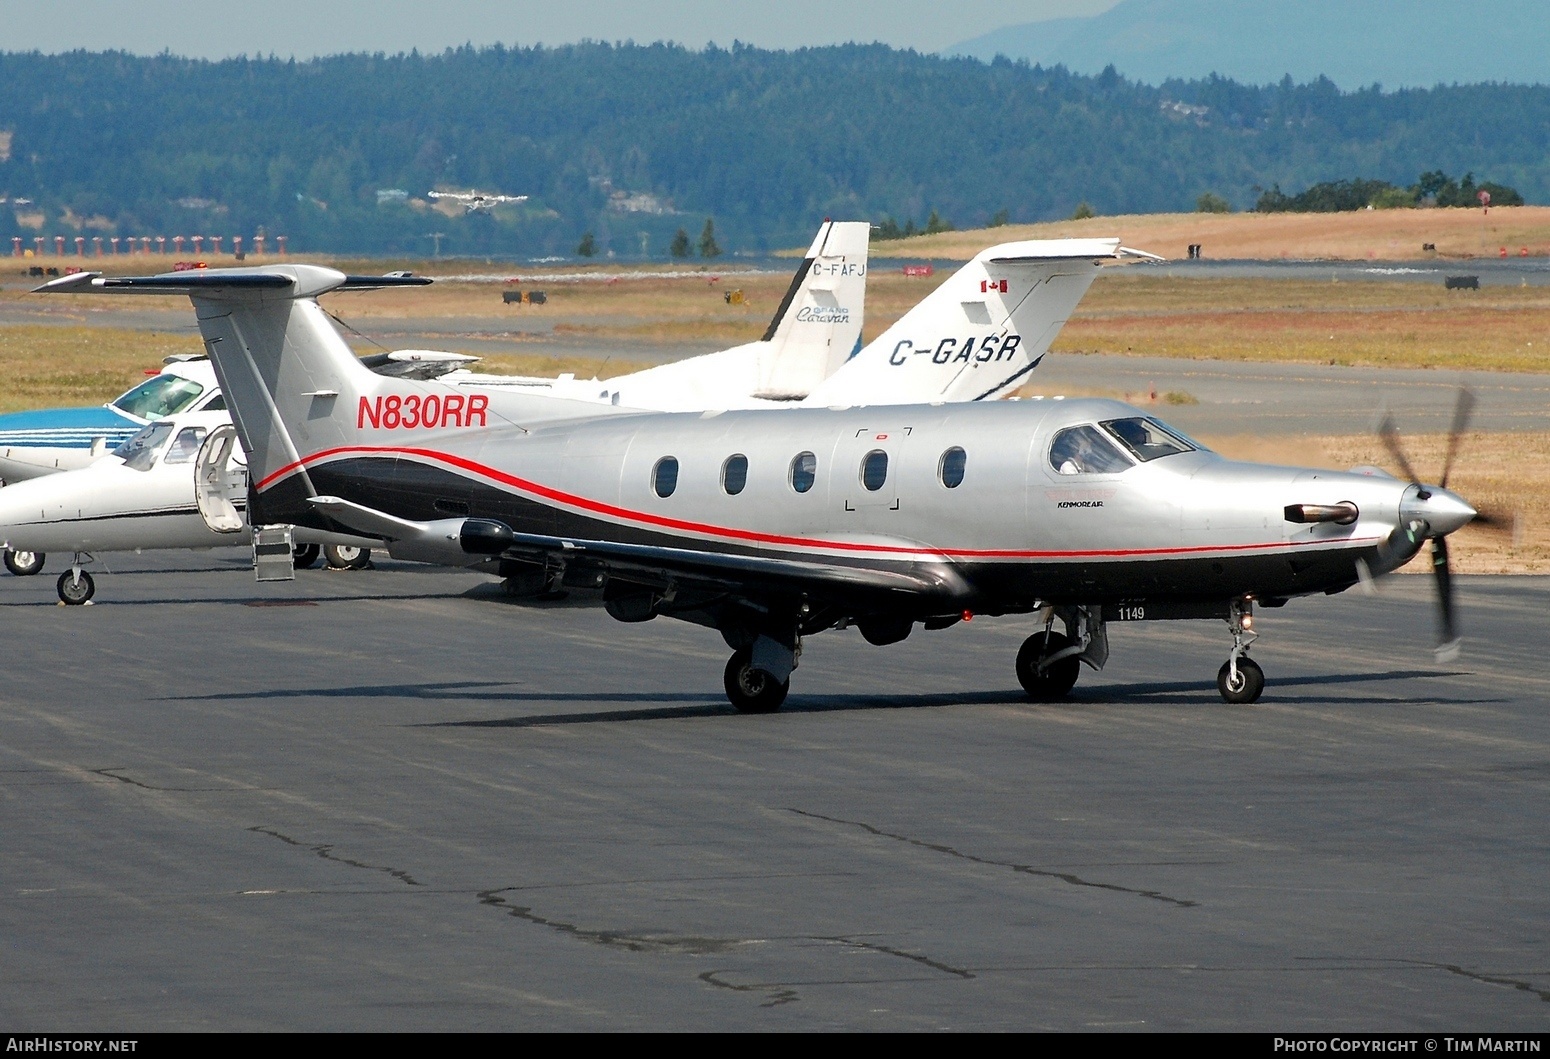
(734, 474)
(664, 476)
(874, 470)
(185, 446)
(804, 471)
(950, 469)
(1146, 438)
(1085, 450)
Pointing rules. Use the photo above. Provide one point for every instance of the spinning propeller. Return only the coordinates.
(1436, 514)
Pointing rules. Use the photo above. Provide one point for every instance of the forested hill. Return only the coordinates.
(631, 141)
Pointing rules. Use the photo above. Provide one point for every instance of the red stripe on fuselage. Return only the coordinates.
(754, 536)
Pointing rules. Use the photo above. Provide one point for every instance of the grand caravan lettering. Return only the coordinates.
(823, 314)
(430, 412)
(978, 350)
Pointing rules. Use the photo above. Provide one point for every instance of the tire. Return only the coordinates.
(305, 556)
(347, 556)
(73, 592)
(751, 690)
(1056, 681)
(1251, 682)
(24, 564)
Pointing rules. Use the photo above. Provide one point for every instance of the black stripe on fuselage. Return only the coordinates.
(120, 516)
(409, 489)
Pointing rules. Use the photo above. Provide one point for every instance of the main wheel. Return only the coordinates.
(305, 555)
(1056, 680)
(74, 590)
(24, 564)
(1248, 686)
(752, 690)
(347, 556)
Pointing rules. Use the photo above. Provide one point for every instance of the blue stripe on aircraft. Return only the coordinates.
(66, 428)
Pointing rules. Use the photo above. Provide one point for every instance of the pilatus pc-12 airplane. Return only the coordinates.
(772, 525)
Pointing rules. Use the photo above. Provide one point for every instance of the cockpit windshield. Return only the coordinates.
(1146, 438)
(139, 452)
(1084, 450)
(159, 397)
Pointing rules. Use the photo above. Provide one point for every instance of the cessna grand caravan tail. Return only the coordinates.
(774, 525)
(815, 329)
(980, 333)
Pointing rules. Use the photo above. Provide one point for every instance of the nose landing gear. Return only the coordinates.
(1240, 680)
(75, 586)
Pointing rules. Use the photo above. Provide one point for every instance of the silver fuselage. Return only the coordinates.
(1190, 526)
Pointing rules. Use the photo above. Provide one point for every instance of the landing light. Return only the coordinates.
(1248, 621)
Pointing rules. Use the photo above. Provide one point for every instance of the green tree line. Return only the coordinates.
(632, 143)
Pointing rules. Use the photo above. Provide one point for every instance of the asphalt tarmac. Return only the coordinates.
(392, 800)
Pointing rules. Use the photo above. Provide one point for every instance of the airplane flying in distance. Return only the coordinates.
(476, 200)
(772, 525)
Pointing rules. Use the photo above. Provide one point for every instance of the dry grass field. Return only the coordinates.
(1371, 324)
(1379, 235)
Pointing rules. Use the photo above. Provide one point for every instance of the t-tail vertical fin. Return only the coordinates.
(978, 335)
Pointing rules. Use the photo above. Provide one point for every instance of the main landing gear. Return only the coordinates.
(347, 557)
(758, 675)
(1240, 680)
(1049, 663)
(24, 564)
(753, 690)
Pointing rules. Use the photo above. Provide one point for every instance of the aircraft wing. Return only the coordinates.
(464, 541)
(745, 572)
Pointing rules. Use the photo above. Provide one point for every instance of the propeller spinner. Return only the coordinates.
(1434, 512)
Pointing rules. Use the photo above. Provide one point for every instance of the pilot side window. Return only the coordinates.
(874, 470)
(950, 469)
(139, 452)
(1085, 450)
(804, 471)
(664, 476)
(734, 474)
(185, 446)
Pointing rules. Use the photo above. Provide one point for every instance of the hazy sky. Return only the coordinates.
(303, 28)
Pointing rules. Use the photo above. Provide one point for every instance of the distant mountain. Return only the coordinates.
(1398, 43)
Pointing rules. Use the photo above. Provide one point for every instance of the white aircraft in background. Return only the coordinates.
(476, 200)
(816, 329)
(47, 441)
(142, 495)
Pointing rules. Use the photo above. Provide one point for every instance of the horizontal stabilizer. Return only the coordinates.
(212, 282)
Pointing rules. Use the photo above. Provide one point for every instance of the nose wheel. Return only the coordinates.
(1242, 686)
(76, 587)
(1240, 680)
